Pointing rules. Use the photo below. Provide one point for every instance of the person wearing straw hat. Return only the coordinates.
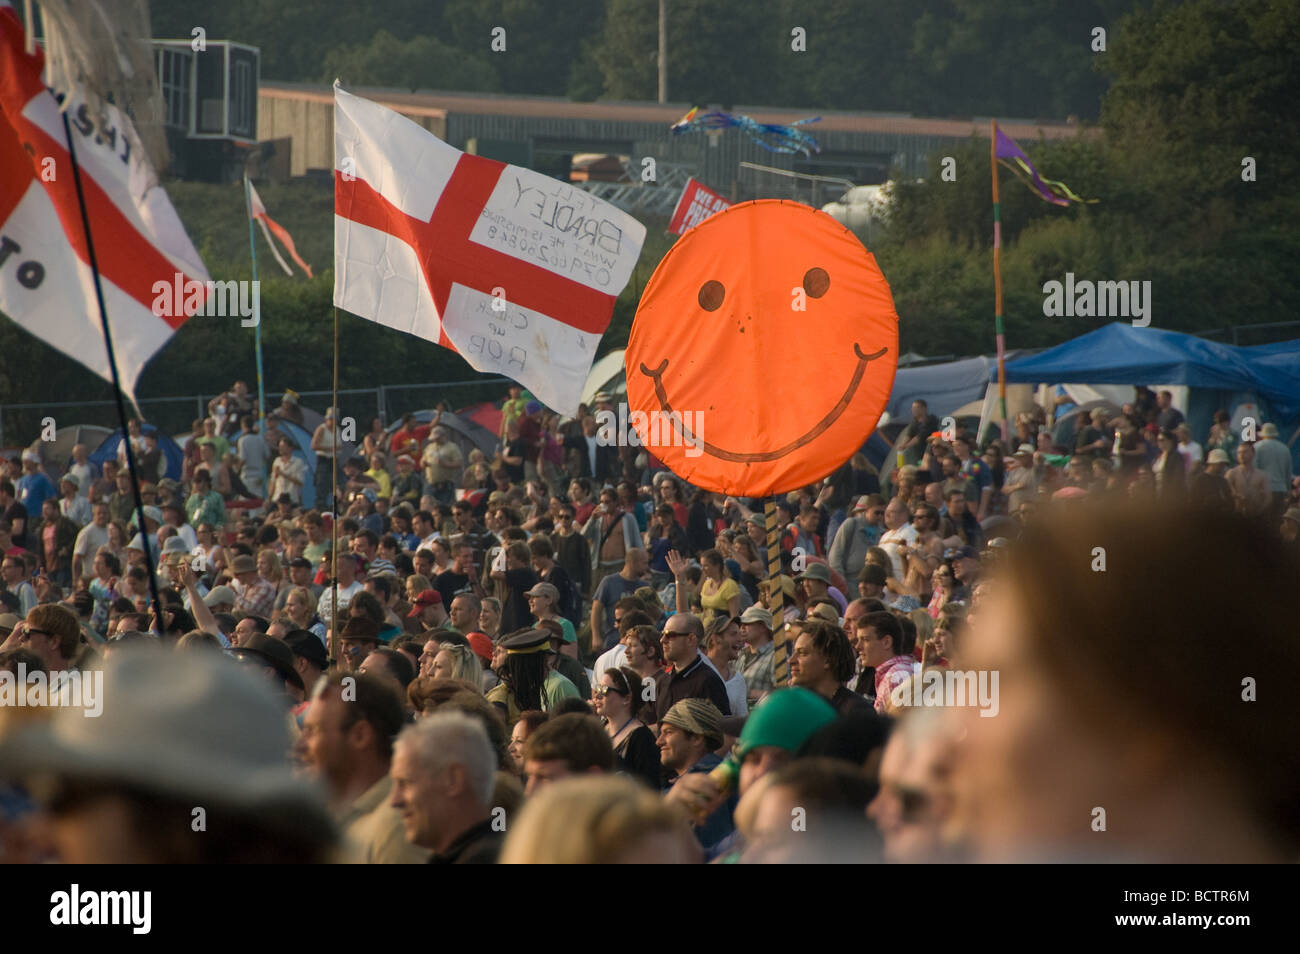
(150, 782)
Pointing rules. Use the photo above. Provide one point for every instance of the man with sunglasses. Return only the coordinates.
(572, 552)
(51, 632)
(691, 677)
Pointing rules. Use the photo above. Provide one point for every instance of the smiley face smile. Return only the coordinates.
(817, 430)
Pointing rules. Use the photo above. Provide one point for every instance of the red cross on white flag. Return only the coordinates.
(46, 284)
(515, 271)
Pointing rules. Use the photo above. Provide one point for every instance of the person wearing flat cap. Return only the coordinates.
(123, 788)
(528, 680)
(689, 735)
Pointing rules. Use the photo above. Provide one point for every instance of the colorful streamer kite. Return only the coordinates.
(772, 137)
(1014, 158)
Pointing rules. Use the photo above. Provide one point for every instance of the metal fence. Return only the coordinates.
(20, 424)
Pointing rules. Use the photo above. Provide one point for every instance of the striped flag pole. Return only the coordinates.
(997, 283)
(776, 598)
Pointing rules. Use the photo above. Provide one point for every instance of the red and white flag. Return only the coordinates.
(269, 225)
(697, 203)
(515, 271)
(46, 284)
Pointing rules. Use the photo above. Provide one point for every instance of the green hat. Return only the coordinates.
(784, 719)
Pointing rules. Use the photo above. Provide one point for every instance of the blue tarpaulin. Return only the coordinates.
(1118, 353)
(944, 387)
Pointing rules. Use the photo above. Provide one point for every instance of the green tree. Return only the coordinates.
(420, 62)
(541, 47)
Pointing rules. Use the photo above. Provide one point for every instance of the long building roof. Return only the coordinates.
(443, 104)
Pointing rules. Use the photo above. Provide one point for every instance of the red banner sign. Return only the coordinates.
(697, 203)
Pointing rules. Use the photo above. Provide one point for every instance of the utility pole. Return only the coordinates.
(663, 51)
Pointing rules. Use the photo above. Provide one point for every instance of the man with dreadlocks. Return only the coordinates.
(528, 680)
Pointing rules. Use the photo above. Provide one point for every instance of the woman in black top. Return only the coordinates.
(615, 700)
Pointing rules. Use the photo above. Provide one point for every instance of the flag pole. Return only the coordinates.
(257, 309)
(334, 506)
(117, 380)
(997, 283)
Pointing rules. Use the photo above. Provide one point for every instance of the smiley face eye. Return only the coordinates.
(816, 282)
(711, 295)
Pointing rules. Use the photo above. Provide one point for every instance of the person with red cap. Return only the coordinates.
(428, 609)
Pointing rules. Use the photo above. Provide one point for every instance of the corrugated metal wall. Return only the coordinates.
(307, 119)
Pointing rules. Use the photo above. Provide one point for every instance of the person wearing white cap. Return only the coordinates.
(1209, 489)
(33, 487)
(73, 504)
(1023, 478)
(135, 551)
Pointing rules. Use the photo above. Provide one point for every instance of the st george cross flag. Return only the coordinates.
(269, 225)
(46, 284)
(515, 271)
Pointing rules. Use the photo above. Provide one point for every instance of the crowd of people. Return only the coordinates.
(563, 652)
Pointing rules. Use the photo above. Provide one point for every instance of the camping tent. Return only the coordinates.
(56, 454)
(467, 433)
(172, 454)
(1216, 374)
(607, 374)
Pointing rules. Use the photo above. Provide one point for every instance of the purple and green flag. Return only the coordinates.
(1050, 190)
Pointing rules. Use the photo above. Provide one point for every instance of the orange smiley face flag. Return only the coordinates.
(763, 351)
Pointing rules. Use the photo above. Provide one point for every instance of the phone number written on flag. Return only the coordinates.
(549, 250)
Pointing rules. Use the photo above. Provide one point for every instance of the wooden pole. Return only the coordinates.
(997, 284)
(663, 51)
(776, 599)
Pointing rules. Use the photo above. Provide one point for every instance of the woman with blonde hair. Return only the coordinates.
(489, 617)
(599, 820)
(458, 662)
(270, 569)
(415, 585)
(300, 608)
